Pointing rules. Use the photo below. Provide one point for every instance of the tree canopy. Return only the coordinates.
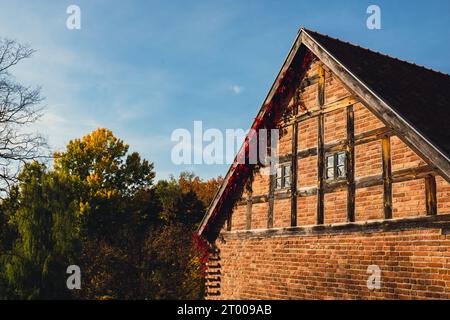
(98, 208)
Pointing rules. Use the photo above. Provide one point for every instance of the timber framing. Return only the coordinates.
(387, 177)
(320, 147)
(430, 195)
(272, 181)
(396, 125)
(320, 170)
(294, 174)
(350, 159)
(424, 172)
(362, 138)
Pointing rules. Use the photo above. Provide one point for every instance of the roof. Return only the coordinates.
(420, 95)
(412, 100)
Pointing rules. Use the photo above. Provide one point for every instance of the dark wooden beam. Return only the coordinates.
(320, 169)
(294, 173)
(430, 194)
(320, 147)
(350, 164)
(412, 174)
(387, 177)
(373, 135)
(272, 181)
(321, 86)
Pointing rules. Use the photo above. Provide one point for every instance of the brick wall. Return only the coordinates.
(335, 204)
(414, 264)
(368, 159)
(408, 198)
(282, 213)
(369, 203)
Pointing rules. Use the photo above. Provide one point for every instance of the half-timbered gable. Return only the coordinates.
(362, 179)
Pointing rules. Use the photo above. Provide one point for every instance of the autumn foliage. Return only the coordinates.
(99, 208)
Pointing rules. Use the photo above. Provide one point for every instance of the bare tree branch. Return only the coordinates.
(19, 108)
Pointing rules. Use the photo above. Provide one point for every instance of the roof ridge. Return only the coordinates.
(377, 52)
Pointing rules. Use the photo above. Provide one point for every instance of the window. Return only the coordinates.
(335, 166)
(283, 177)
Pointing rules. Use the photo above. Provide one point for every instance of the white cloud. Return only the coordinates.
(237, 89)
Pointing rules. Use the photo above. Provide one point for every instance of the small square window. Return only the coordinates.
(283, 177)
(335, 166)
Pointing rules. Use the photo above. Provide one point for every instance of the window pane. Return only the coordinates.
(287, 182)
(279, 172)
(287, 170)
(278, 184)
(340, 171)
(330, 161)
(330, 173)
(341, 159)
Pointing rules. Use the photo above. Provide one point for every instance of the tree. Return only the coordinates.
(117, 206)
(107, 179)
(47, 236)
(19, 107)
(98, 209)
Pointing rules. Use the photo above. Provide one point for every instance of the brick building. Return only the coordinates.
(362, 180)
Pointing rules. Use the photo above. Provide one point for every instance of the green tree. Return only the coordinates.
(47, 236)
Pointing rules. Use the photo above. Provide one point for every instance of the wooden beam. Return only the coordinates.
(307, 153)
(309, 81)
(409, 135)
(320, 170)
(387, 177)
(321, 86)
(373, 135)
(272, 181)
(294, 173)
(412, 174)
(320, 147)
(350, 164)
(430, 194)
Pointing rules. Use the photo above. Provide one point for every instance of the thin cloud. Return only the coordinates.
(237, 89)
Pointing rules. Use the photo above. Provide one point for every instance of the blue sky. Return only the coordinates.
(145, 68)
